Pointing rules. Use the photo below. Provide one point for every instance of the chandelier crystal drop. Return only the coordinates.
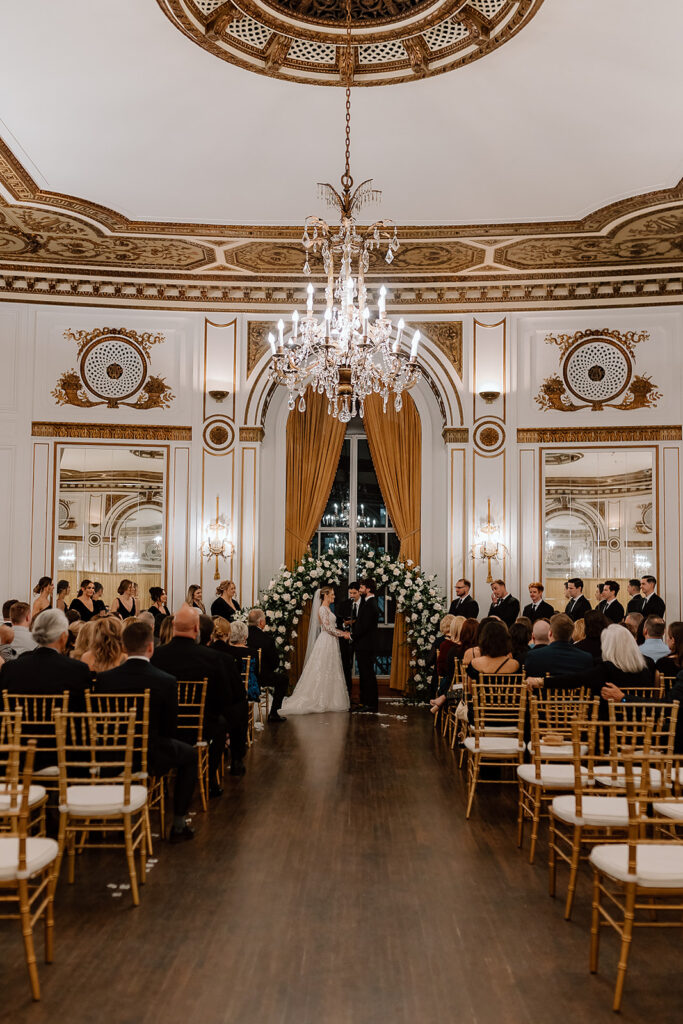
(346, 355)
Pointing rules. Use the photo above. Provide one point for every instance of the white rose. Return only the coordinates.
(277, 615)
(420, 605)
(293, 633)
(287, 665)
(409, 561)
(421, 662)
(306, 597)
(414, 617)
(281, 629)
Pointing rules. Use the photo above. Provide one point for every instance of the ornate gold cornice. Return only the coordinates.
(588, 435)
(455, 435)
(252, 434)
(110, 431)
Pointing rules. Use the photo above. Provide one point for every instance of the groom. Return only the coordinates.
(364, 639)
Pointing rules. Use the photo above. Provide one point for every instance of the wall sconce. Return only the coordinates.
(489, 396)
(218, 396)
(487, 545)
(217, 544)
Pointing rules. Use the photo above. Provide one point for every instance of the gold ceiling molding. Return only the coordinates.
(110, 431)
(252, 434)
(596, 435)
(391, 40)
(257, 341)
(447, 336)
(455, 435)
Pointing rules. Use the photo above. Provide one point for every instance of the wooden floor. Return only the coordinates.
(337, 883)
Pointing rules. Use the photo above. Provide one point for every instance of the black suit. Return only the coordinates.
(225, 711)
(615, 611)
(577, 608)
(466, 606)
(544, 611)
(653, 606)
(44, 670)
(506, 609)
(345, 612)
(635, 604)
(364, 638)
(165, 750)
(269, 672)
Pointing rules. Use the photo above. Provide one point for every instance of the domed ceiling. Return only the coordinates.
(391, 40)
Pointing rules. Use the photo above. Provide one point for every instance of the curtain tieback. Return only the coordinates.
(407, 535)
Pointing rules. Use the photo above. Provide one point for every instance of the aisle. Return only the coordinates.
(337, 883)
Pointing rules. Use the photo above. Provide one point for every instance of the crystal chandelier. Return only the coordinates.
(346, 355)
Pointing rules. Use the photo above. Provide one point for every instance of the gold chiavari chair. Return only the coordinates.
(497, 735)
(626, 726)
(191, 701)
(448, 719)
(11, 732)
(663, 684)
(27, 863)
(37, 718)
(551, 769)
(97, 792)
(245, 668)
(631, 880)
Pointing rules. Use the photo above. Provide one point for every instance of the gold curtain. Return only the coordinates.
(314, 444)
(395, 441)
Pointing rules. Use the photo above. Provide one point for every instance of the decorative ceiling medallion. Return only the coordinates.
(597, 368)
(489, 437)
(219, 435)
(392, 40)
(114, 367)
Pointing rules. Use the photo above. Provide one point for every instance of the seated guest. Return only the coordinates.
(473, 650)
(225, 710)
(194, 598)
(578, 605)
(220, 634)
(269, 671)
(62, 594)
(494, 657)
(652, 602)
(83, 602)
(622, 665)
(560, 655)
(462, 603)
(633, 623)
(594, 623)
(166, 630)
(43, 589)
(520, 639)
(635, 602)
(672, 664)
(238, 648)
(469, 631)
(7, 650)
(537, 608)
(539, 634)
(449, 645)
(105, 650)
(432, 653)
(654, 645)
(226, 604)
(165, 752)
(45, 669)
(98, 599)
(579, 632)
(124, 604)
(158, 608)
(5, 609)
(503, 605)
(609, 606)
(83, 633)
(20, 618)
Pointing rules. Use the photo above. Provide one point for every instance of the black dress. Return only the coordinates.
(221, 607)
(99, 607)
(123, 612)
(159, 617)
(84, 612)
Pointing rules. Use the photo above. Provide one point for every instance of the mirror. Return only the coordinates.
(110, 516)
(599, 518)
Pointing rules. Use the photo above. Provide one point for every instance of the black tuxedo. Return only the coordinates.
(269, 672)
(345, 612)
(577, 608)
(544, 611)
(506, 609)
(615, 612)
(364, 639)
(635, 603)
(652, 606)
(466, 606)
(44, 670)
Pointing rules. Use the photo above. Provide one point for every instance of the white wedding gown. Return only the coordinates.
(321, 685)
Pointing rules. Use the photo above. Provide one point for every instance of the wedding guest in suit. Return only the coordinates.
(365, 637)
(62, 594)
(540, 634)
(43, 590)
(158, 608)
(672, 664)
(622, 664)
(538, 608)
(462, 603)
(83, 602)
(560, 656)
(7, 651)
(123, 604)
(99, 606)
(45, 669)
(165, 752)
(634, 622)
(20, 619)
(270, 673)
(635, 602)
(226, 604)
(654, 645)
(503, 605)
(594, 624)
(610, 606)
(652, 602)
(194, 598)
(578, 605)
(347, 613)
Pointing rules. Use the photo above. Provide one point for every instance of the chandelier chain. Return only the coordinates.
(347, 180)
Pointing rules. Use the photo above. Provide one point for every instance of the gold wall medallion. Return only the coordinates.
(597, 369)
(488, 437)
(596, 435)
(114, 367)
(219, 435)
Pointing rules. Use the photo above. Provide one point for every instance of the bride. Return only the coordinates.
(321, 685)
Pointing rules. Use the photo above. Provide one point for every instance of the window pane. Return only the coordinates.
(337, 510)
(367, 543)
(371, 509)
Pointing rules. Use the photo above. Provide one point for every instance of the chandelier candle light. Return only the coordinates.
(217, 544)
(488, 546)
(346, 355)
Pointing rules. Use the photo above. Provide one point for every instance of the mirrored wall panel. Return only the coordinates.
(599, 517)
(110, 516)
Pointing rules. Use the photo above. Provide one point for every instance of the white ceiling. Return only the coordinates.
(110, 102)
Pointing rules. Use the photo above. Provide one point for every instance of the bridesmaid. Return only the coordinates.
(43, 589)
(123, 604)
(226, 604)
(83, 602)
(159, 608)
(63, 590)
(98, 599)
(194, 598)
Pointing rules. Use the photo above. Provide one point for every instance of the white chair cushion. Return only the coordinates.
(604, 775)
(669, 810)
(36, 795)
(658, 865)
(610, 811)
(553, 776)
(102, 801)
(39, 853)
(494, 744)
(51, 771)
(558, 751)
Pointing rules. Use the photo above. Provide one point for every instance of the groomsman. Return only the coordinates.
(462, 603)
(504, 605)
(577, 605)
(652, 602)
(538, 608)
(365, 638)
(347, 613)
(635, 597)
(609, 606)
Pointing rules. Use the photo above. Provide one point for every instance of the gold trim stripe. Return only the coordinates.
(579, 435)
(127, 431)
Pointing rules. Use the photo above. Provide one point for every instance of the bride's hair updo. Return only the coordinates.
(326, 590)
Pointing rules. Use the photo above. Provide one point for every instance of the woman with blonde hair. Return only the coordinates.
(220, 638)
(194, 597)
(84, 638)
(43, 589)
(622, 665)
(579, 633)
(106, 646)
(166, 630)
(226, 604)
